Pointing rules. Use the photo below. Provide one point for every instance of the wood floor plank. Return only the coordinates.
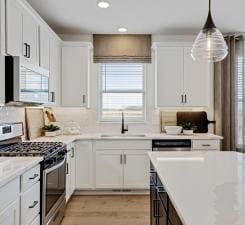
(108, 210)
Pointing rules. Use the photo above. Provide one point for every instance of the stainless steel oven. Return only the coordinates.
(53, 197)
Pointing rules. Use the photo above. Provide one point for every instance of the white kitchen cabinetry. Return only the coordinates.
(44, 48)
(20, 199)
(180, 80)
(197, 77)
(30, 39)
(55, 72)
(169, 76)
(136, 166)
(70, 172)
(122, 164)
(109, 169)
(75, 74)
(84, 165)
(10, 215)
(13, 28)
(21, 32)
(206, 145)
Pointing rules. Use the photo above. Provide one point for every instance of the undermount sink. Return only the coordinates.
(122, 135)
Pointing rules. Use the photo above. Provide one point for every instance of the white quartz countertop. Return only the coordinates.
(206, 188)
(15, 166)
(149, 136)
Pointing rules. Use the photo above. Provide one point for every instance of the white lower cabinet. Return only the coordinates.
(20, 199)
(30, 204)
(136, 168)
(84, 165)
(205, 145)
(70, 172)
(122, 164)
(109, 169)
(10, 215)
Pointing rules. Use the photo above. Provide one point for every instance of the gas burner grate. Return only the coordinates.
(31, 149)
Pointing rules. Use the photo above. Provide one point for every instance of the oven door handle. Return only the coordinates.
(56, 166)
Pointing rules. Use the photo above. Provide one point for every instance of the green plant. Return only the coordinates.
(187, 126)
(50, 128)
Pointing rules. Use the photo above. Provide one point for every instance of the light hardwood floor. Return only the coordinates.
(108, 210)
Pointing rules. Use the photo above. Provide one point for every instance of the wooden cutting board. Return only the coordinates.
(34, 122)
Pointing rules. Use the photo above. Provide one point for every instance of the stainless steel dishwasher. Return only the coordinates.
(171, 145)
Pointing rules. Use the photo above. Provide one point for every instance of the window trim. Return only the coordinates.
(100, 88)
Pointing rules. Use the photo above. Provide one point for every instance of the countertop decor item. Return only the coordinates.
(50, 130)
(187, 128)
(209, 45)
(173, 130)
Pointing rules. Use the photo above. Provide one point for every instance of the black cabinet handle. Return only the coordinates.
(34, 176)
(185, 99)
(26, 50)
(67, 168)
(29, 51)
(52, 96)
(33, 205)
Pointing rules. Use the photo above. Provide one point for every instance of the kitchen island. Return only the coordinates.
(198, 188)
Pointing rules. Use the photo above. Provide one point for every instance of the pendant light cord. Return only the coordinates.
(209, 6)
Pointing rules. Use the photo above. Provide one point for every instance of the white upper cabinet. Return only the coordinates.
(44, 48)
(13, 28)
(55, 72)
(30, 39)
(196, 81)
(75, 74)
(21, 32)
(180, 80)
(169, 76)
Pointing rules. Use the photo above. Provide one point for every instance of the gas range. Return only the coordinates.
(53, 169)
(45, 149)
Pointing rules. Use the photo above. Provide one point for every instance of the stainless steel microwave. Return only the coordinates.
(25, 82)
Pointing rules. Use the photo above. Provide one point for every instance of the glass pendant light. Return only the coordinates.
(209, 45)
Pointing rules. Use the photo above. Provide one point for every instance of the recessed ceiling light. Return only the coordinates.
(103, 4)
(122, 29)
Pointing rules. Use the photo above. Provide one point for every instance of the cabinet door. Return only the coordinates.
(44, 48)
(55, 72)
(84, 165)
(13, 28)
(73, 170)
(75, 70)
(10, 215)
(169, 72)
(30, 37)
(196, 81)
(136, 169)
(68, 176)
(109, 169)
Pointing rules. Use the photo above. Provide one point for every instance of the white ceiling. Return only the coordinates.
(140, 16)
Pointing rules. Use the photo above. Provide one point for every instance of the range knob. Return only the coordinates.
(50, 161)
(62, 153)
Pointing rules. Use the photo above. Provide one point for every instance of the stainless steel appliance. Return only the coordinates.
(53, 179)
(171, 145)
(25, 82)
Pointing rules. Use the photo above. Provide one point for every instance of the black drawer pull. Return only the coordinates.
(33, 205)
(34, 176)
(206, 145)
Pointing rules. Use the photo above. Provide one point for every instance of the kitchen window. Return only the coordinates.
(122, 89)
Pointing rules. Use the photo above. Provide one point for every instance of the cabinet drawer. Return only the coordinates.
(205, 145)
(123, 144)
(30, 177)
(36, 221)
(9, 192)
(30, 204)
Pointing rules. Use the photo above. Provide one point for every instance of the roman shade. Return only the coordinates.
(122, 48)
